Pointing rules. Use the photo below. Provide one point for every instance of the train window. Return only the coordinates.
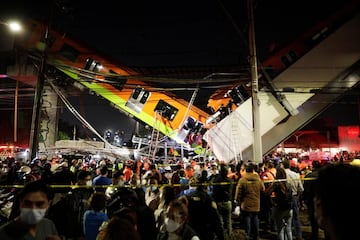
(239, 94)
(293, 55)
(189, 123)
(138, 99)
(243, 91)
(144, 97)
(236, 96)
(285, 61)
(69, 52)
(92, 65)
(198, 127)
(136, 93)
(166, 110)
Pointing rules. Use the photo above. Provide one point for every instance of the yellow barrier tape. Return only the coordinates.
(147, 185)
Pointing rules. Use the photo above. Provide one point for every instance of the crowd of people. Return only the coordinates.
(189, 200)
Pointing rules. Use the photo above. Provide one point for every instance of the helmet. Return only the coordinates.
(24, 169)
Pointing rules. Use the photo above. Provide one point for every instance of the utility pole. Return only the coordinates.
(257, 144)
(16, 110)
(36, 115)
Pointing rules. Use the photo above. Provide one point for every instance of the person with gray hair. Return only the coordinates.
(293, 178)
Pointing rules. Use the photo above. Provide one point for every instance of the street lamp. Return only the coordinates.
(14, 26)
(34, 132)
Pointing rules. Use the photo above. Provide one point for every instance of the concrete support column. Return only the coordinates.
(49, 119)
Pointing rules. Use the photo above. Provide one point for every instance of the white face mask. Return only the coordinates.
(171, 225)
(121, 183)
(89, 183)
(32, 216)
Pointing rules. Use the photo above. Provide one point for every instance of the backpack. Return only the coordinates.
(283, 200)
(67, 213)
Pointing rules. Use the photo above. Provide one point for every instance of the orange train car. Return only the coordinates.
(281, 59)
(172, 116)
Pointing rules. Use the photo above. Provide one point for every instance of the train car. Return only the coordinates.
(121, 86)
(281, 59)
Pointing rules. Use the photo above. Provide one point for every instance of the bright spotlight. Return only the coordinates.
(15, 26)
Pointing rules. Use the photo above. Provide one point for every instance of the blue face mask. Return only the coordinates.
(153, 188)
(32, 216)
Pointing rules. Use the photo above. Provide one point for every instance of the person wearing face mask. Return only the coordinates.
(167, 195)
(135, 199)
(135, 182)
(34, 202)
(152, 194)
(117, 181)
(175, 225)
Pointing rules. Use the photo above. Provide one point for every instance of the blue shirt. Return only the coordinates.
(101, 181)
(92, 222)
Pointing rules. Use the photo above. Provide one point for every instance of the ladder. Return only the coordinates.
(154, 140)
(151, 144)
(235, 135)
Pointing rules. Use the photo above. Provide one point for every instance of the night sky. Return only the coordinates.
(177, 33)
